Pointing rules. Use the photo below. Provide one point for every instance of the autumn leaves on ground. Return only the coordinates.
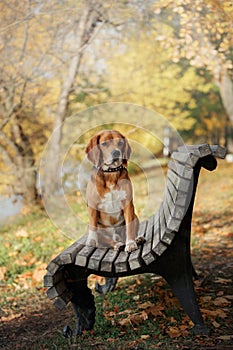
(142, 312)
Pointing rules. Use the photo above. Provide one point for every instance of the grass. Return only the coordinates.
(142, 312)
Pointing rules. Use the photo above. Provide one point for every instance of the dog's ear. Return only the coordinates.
(93, 151)
(126, 152)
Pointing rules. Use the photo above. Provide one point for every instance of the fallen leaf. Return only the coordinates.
(226, 337)
(145, 305)
(21, 233)
(220, 301)
(216, 324)
(222, 280)
(10, 317)
(214, 313)
(174, 332)
(145, 336)
(133, 319)
(2, 272)
(39, 273)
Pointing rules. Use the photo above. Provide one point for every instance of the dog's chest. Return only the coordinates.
(111, 202)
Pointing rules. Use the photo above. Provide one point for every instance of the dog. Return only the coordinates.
(112, 218)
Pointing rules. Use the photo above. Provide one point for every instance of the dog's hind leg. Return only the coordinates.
(109, 286)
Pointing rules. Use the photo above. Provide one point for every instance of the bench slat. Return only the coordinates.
(61, 302)
(199, 150)
(108, 260)
(173, 225)
(68, 255)
(178, 197)
(218, 151)
(181, 170)
(52, 267)
(56, 290)
(158, 247)
(176, 211)
(148, 256)
(121, 263)
(96, 258)
(135, 260)
(84, 255)
(180, 183)
(142, 229)
(166, 235)
(152, 229)
(51, 280)
(185, 158)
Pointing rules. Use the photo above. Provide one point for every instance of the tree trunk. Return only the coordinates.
(26, 186)
(19, 157)
(225, 84)
(85, 31)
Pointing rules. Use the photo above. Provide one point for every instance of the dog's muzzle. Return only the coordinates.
(115, 154)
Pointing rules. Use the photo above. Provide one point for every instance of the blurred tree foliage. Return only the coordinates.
(60, 57)
(203, 34)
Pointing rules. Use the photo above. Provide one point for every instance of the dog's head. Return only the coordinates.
(108, 148)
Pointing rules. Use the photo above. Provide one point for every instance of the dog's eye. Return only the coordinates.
(120, 143)
(104, 144)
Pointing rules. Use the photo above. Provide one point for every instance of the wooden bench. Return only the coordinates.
(165, 251)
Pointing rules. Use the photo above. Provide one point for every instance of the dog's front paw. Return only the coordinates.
(92, 239)
(140, 240)
(131, 246)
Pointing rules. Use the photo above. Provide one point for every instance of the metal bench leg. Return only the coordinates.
(176, 267)
(182, 286)
(109, 286)
(83, 304)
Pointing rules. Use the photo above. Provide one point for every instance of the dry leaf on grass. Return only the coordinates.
(10, 317)
(21, 233)
(221, 301)
(145, 336)
(2, 273)
(214, 313)
(133, 319)
(176, 332)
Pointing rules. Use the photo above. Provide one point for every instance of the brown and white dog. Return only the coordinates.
(112, 218)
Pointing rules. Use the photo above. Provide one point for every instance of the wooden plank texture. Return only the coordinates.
(166, 235)
(56, 290)
(158, 247)
(108, 260)
(51, 280)
(61, 302)
(121, 263)
(84, 255)
(147, 254)
(178, 197)
(135, 260)
(96, 258)
(52, 267)
(184, 171)
(185, 158)
(172, 208)
(179, 182)
(68, 255)
(199, 150)
(218, 151)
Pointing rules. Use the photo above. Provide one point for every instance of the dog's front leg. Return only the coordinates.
(92, 237)
(132, 224)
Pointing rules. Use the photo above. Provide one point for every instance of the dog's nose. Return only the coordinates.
(116, 154)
